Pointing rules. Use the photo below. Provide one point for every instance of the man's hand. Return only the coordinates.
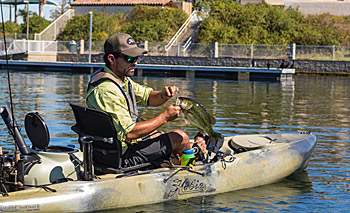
(168, 92)
(201, 143)
(172, 112)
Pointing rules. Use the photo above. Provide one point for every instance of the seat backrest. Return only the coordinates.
(107, 149)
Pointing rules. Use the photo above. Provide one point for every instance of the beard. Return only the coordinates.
(130, 72)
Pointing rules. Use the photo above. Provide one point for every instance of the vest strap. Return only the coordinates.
(100, 76)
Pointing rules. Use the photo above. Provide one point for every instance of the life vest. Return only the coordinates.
(100, 76)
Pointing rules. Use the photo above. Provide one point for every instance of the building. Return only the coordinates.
(112, 6)
(313, 7)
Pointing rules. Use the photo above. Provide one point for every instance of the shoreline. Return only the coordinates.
(160, 70)
(206, 67)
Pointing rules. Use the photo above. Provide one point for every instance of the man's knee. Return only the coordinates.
(178, 136)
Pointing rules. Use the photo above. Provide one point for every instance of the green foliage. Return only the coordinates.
(36, 24)
(231, 22)
(202, 5)
(11, 27)
(336, 27)
(103, 25)
(153, 24)
(147, 30)
(143, 23)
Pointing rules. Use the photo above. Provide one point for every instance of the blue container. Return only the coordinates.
(188, 158)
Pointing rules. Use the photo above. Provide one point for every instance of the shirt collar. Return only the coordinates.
(107, 70)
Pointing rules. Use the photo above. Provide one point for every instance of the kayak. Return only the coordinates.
(248, 161)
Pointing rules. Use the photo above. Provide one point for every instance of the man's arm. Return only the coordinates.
(157, 98)
(144, 128)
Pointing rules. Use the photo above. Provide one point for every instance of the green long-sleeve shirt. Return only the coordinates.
(107, 97)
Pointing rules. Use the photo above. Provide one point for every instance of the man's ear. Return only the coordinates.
(111, 59)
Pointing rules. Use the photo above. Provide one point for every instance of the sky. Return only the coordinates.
(32, 7)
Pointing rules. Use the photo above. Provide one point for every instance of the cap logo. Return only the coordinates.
(130, 41)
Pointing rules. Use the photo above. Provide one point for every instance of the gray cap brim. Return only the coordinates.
(136, 51)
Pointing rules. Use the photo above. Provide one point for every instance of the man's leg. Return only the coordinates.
(153, 150)
(180, 142)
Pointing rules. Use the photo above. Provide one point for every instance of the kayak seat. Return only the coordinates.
(107, 149)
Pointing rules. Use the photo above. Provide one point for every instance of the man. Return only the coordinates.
(111, 90)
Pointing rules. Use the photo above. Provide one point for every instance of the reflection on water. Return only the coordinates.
(309, 103)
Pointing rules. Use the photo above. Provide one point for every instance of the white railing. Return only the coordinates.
(323, 52)
(187, 45)
(13, 47)
(29, 46)
(17, 36)
(252, 51)
(249, 51)
(42, 46)
(50, 32)
(180, 31)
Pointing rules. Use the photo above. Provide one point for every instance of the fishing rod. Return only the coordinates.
(9, 117)
(7, 69)
(3, 188)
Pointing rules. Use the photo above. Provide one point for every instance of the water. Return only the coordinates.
(308, 103)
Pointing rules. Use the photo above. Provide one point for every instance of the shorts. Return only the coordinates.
(153, 151)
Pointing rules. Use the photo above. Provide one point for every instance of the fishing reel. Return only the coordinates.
(213, 145)
(9, 178)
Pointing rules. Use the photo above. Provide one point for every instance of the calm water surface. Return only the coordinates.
(308, 103)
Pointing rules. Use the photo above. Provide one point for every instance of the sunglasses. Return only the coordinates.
(127, 58)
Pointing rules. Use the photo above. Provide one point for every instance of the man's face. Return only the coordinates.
(125, 65)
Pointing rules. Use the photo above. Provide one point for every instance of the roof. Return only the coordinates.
(118, 2)
(13, 2)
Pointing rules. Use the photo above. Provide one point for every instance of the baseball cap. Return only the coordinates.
(122, 43)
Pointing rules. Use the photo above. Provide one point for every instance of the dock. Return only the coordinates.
(223, 72)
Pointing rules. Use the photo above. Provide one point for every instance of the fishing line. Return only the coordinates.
(124, 107)
(142, 119)
(8, 71)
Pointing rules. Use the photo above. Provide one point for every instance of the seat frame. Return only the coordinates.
(107, 149)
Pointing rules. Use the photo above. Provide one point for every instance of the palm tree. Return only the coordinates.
(23, 12)
(41, 4)
(64, 7)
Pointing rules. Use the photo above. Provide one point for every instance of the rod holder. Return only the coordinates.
(86, 142)
(14, 130)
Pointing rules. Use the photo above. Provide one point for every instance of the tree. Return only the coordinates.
(231, 22)
(11, 27)
(58, 12)
(36, 23)
(143, 23)
(41, 5)
(153, 24)
(23, 13)
(103, 25)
